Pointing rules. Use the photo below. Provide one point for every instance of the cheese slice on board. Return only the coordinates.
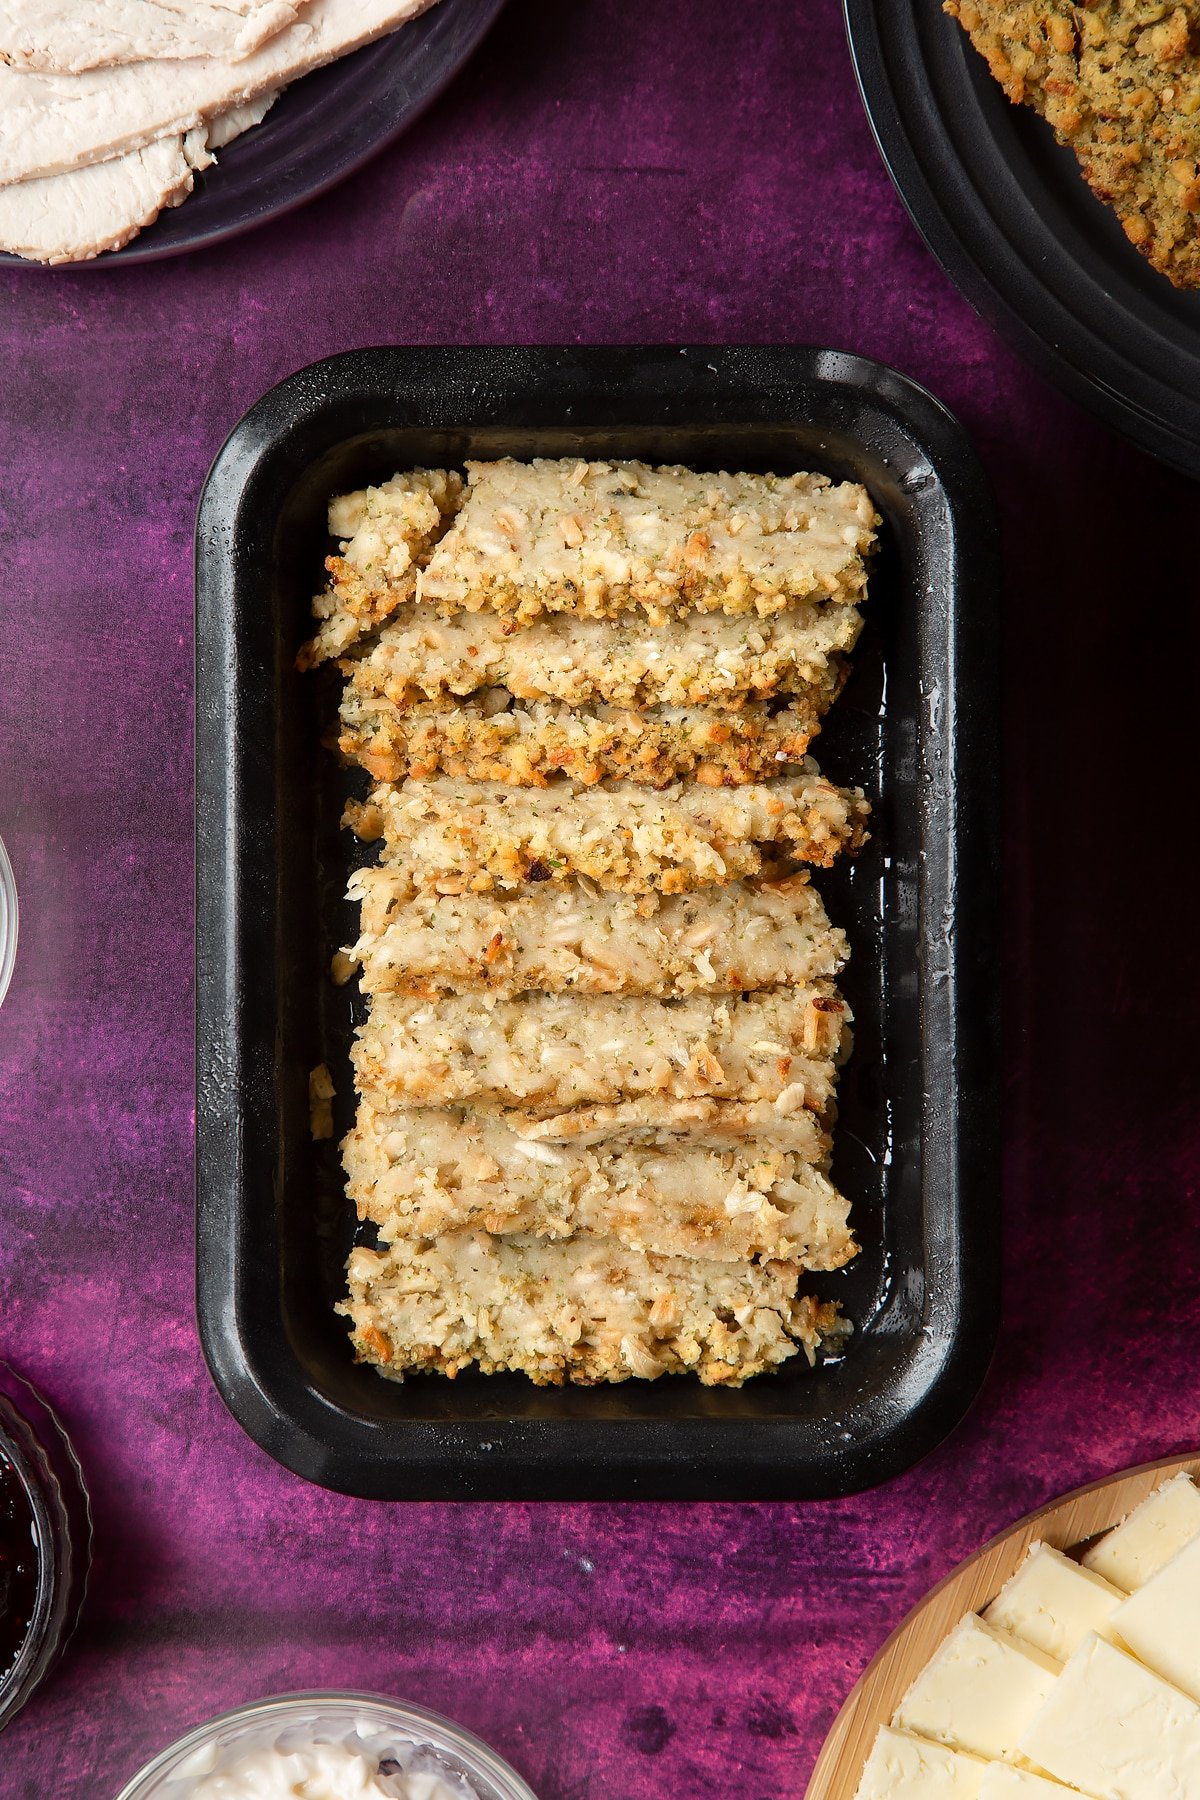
(1052, 1603)
(980, 1691)
(1001, 1781)
(1153, 1533)
(904, 1767)
(1161, 1622)
(1116, 1730)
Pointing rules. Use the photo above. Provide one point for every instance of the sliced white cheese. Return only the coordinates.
(979, 1692)
(904, 1767)
(1152, 1534)
(1001, 1781)
(1052, 1603)
(1117, 1730)
(1161, 1622)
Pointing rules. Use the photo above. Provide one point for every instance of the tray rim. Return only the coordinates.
(1095, 1506)
(451, 1459)
(950, 208)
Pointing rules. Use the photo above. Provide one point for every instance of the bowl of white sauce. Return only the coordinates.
(327, 1747)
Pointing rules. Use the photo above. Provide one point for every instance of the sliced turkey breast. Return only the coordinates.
(227, 125)
(69, 218)
(52, 123)
(73, 217)
(63, 36)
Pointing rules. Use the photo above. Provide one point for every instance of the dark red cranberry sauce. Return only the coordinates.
(18, 1565)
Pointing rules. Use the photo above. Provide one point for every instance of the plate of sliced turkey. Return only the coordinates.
(136, 129)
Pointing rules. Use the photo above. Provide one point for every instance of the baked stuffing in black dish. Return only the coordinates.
(918, 1105)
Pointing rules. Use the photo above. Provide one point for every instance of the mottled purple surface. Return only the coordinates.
(685, 169)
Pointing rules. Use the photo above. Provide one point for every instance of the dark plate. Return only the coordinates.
(917, 1138)
(321, 129)
(1007, 213)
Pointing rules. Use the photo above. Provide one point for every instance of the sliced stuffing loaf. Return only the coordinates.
(460, 836)
(546, 1052)
(691, 660)
(418, 1173)
(493, 738)
(602, 539)
(572, 937)
(584, 1311)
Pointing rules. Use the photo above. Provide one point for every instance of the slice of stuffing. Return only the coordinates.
(602, 539)
(494, 738)
(460, 836)
(692, 660)
(421, 1171)
(558, 937)
(550, 1052)
(386, 534)
(584, 1311)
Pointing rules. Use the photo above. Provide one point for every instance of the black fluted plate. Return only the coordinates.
(1007, 213)
(321, 129)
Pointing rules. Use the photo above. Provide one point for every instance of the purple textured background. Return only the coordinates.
(604, 173)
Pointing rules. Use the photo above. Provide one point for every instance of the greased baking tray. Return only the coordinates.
(917, 1139)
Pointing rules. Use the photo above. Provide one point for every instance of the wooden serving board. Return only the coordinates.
(1065, 1523)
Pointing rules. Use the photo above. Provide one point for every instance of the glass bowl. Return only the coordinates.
(418, 1739)
(9, 917)
(44, 1496)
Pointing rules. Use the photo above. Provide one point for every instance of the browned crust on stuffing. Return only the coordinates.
(458, 837)
(496, 739)
(570, 938)
(602, 539)
(1119, 81)
(411, 1311)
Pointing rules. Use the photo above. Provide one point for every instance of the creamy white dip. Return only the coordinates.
(323, 1772)
(295, 1764)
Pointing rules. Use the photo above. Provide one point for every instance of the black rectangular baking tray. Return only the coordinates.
(918, 1129)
